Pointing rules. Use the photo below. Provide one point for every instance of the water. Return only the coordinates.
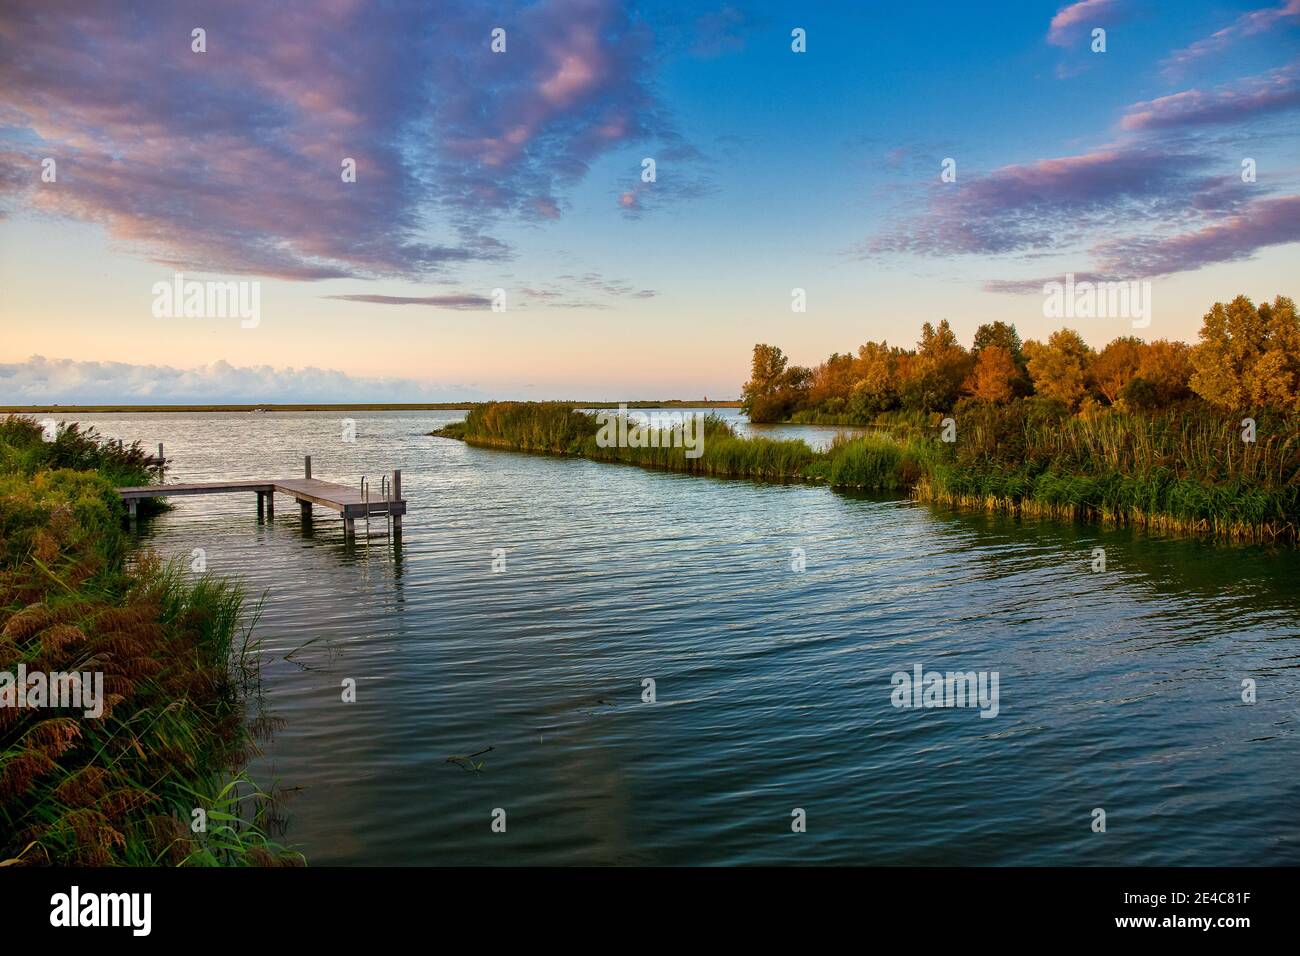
(1119, 690)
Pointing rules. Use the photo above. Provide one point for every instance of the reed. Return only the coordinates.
(177, 667)
(1183, 470)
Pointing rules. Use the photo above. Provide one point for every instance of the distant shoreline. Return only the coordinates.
(345, 407)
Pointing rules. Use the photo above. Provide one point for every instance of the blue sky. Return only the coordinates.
(521, 170)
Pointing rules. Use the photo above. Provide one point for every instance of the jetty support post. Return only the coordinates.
(270, 504)
(132, 509)
(305, 506)
(397, 496)
(349, 528)
(261, 504)
(162, 461)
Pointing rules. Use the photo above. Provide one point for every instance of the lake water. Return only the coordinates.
(1119, 690)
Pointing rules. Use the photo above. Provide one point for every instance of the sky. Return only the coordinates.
(499, 238)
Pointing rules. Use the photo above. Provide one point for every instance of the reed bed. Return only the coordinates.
(1186, 471)
(176, 662)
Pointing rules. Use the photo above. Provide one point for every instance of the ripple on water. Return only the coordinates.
(1118, 690)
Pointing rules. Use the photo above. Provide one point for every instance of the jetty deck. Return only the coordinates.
(349, 501)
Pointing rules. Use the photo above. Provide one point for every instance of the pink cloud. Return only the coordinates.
(1264, 222)
(1248, 24)
(1046, 204)
(230, 160)
(1079, 18)
(1277, 90)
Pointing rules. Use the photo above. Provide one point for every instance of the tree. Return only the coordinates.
(1249, 357)
(1005, 336)
(934, 378)
(766, 367)
(1059, 368)
(1166, 367)
(994, 375)
(1274, 379)
(775, 388)
(875, 389)
(832, 380)
(1114, 366)
(1000, 334)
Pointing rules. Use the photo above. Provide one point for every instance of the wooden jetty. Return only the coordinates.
(352, 503)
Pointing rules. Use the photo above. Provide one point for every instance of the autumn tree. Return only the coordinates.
(1274, 381)
(875, 386)
(775, 388)
(831, 382)
(993, 379)
(1059, 367)
(1164, 369)
(933, 380)
(1115, 366)
(1005, 336)
(1249, 356)
(1002, 335)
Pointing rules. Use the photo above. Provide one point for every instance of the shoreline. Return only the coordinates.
(924, 470)
(114, 775)
(339, 407)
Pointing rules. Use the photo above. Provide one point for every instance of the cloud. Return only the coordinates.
(1035, 286)
(42, 381)
(230, 161)
(573, 292)
(1248, 24)
(681, 184)
(1078, 19)
(440, 301)
(1264, 222)
(1271, 92)
(515, 128)
(613, 287)
(1048, 204)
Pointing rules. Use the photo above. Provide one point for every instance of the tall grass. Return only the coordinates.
(176, 665)
(1184, 470)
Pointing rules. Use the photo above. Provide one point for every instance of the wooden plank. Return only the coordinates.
(193, 488)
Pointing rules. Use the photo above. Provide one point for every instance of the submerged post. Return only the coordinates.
(162, 460)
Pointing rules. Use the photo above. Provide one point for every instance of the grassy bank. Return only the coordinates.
(120, 788)
(1185, 471)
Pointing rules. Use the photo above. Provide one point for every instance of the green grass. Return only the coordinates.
(173, 649)
(1185, 470)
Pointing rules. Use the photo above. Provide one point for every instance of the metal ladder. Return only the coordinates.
(385, 491)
